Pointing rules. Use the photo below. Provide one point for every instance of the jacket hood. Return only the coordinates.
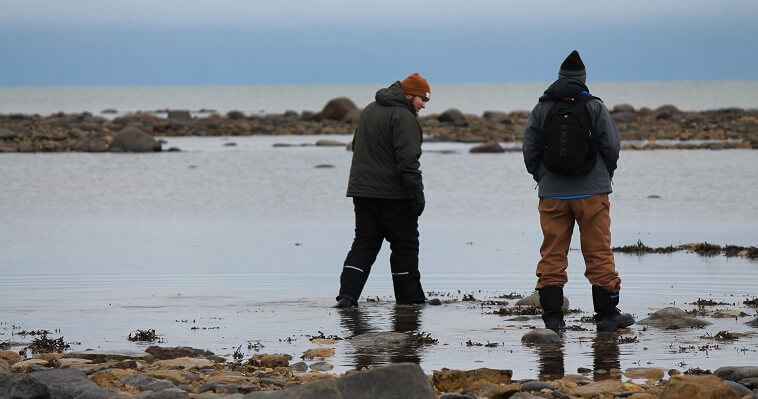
(393, 96)
(564, 87)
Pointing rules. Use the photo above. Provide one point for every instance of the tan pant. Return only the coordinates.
(557, 217)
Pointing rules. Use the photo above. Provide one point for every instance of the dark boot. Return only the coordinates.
(345, 302)
(607, 316)
(551, 300)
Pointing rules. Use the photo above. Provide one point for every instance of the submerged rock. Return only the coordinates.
(671, 318)
(542, 336)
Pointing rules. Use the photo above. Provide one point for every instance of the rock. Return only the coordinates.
(534, 300)
(736, 374)
(329, 143)
(644, 372)
(525, 395)
(56, 383)
(272, 381)
(299, 367)
(179, 115)
(132, 139)
(623, 108)
(489, 147)
(739, 388)
(496, 116)
(379, 340)
(753, 323)
(10, 356)
(235, 115)
(400, 380)
(456, 396)
(105, 355)
(163, 353)
(447, 380)
(6, 134)
(145, 383)
(321, 366)
(185, 363)
(175, 376)
(671, 318)
(751, 383)
(109, 111)
(272, 360)
(697, 386)
(167, 395)
(321, 353)
(5, 368)
(111, 378)
(542, 336)
(532, 386)
(338, 108)
(452, 115)
(230, 377)
(26, 365)
(597, 388)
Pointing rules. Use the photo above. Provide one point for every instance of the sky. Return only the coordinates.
(305, 42)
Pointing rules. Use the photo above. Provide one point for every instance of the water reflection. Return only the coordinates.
(375, 346)
(605, 352)
(551, 362)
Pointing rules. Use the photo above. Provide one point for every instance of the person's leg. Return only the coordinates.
(593, 217)
(366, 246)
(400, 223)
(557, 224)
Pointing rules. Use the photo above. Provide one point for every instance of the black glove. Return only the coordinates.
(420, 203)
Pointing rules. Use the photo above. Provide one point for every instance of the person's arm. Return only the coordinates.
(531, 146)
(406, 142)
(608, 136)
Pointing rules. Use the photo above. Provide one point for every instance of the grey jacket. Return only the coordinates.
(386, 149)
(598, 180)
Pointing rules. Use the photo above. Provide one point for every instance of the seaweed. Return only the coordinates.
(144, 336)
(43, 344)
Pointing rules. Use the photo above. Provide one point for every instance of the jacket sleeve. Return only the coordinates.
(406, 142)
(531, 146)
(608, 136)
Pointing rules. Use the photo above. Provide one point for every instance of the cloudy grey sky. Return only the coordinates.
(234, 42)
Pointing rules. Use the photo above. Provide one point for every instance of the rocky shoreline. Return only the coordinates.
(46, 369)
(645, 128)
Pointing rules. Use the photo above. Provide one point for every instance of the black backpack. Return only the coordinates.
(569, 144)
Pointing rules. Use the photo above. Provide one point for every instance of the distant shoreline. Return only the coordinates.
(84, 132)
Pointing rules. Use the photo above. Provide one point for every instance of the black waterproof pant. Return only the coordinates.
(394, 220)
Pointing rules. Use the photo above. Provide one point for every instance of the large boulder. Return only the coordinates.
(453, 115)
(55, 383)
(132, 139)
(400, 380)
(671, 318)
(697, 386)
(338, 108)
(489, 147)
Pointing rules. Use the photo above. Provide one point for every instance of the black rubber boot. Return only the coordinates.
(345, 303)
(607, 316)
(551, 300)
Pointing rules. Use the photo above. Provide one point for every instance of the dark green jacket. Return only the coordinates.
(386, 149)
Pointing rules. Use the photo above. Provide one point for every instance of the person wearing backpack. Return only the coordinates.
(571, 146)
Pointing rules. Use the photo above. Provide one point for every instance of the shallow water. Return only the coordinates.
(246, 242)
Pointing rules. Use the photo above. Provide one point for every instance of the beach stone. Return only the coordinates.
(112, 378)
(174, 376)
(452, 115)
(496, 116)
(751, 383)
(598, 388)
(672, 318)
(739, 388)
(185, 363)
(534, 300)
(164, 353)
(272, 360)
(489, 147)
(167, 395)
(753, 323)
(329, 143)
(179, 115)
(22, 386)
(5, 368)
(231, 377)
(532, 386)
(525, 395)
(10, 356)
(100, 356)
(70, 383)
(737, 373)
(400, 380)
(623, 108)
(26, 365)
(338, 108)
(272, 381)
(146, 383)
(648, 373)
(382, 340)
(321, 353)
(447, 380)
(132, 139)
(541, 336)
(321, 366)
(452, 395)
(697, 386)
(66, 363)
(299, 367)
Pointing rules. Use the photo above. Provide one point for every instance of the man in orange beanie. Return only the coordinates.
(388, 192)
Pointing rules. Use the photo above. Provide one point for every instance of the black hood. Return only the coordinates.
(393, 96)
(565, 87)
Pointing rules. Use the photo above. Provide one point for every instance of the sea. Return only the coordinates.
(235, 244)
